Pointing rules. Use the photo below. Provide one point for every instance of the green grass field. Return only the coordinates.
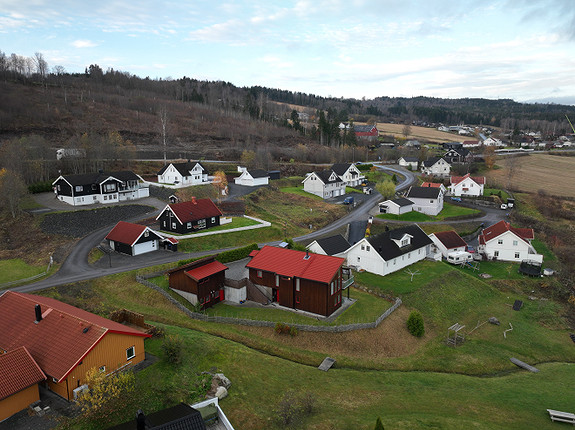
(450, 211)
(15, 269)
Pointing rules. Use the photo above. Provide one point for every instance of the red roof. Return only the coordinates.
(470, 142)
(18, 371)
(431, 184)
(193, 210)
(128, 233)
(202, 272)
(288, 262)
(450, 239)
(501, 227)
(477, 179)
(172, 240)
(63, 337)
(254, 253)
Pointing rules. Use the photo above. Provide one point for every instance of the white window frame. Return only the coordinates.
(133, 348)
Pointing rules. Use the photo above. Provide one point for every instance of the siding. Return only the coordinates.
(15, 403)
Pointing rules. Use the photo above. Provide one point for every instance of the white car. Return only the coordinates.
(503, 206)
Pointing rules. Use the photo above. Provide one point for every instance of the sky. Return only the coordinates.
(518, 49)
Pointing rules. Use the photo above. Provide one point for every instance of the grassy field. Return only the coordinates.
(538, 172)
(449, 211)
(12, 270)
(237, 222)
(422, 133)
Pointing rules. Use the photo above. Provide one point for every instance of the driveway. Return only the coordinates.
(50, 202)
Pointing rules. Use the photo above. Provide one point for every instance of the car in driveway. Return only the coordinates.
(503, 206)
(348, 200)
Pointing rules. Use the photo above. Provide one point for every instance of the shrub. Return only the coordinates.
(279, 327)
(378, 424)
(237, 254)
(293, 408)
(172, 346)
(293, 331)
(40, 187)
(415, 324)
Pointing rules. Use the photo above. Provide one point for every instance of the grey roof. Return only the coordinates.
(325, 174)
(431, 161)
(98, 178)
(334, 244)
(183, 168)
(411, 159)
(179, 417)
(258, 173)
(423, 192)
(340, 168)
(402, 201)
(388, 249)
(363, 128)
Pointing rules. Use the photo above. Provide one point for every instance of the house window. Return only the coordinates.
(130, 353)
(367, 248)
(147, 233)
(213, 219)
(363, 247)
(297, 284)
(405, 242)
(514, 243)
(259, 273)
(500, 242)
(358, 259)
(105, 197)
(164, 223)
(496, 254)
(277, 280)
(79, 188)
(102, 369)
(332, 288)
(516, 255)
(58, 187)
(173, 225)
(189, 225)
(109, 187)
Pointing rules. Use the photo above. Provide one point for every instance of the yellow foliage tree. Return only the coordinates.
(220, 182)
(105, 393)
(489, 157)
(386, 188)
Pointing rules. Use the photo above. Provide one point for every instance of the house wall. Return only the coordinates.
(404, 163)
(350, 179)
(190, 297)
(512, 248)
(203, 292)
(16, 402)
(109, 352)
(428, 206)
(313, 185)
(170, 176)
(235, 295)
(168, 220)
(467, 187)
(395, 209)
(440, 168)
(315, 248)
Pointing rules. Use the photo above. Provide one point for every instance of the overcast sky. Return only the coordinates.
(518, 49)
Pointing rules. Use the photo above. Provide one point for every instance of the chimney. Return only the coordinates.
(306, 255)
(38, 310)
(140, 420)
(194, 200)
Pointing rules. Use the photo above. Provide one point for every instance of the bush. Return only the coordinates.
(281, 328)
(363, 167)
(40, 187)
(237, 254)
(378, 424)
(293, 408)
(415, 324)
(172, 346)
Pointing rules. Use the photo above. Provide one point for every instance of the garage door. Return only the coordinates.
(142, 248)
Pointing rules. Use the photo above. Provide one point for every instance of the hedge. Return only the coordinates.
(237, 254)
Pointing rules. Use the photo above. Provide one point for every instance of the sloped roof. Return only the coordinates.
(289, 262)
(480, 180)
(201, 272)
(423, 192)
(183, 168)
(179, 417)
(388, 249)
(432, 160)
(410, 159)
(193, 210)
(431, 184)
(501, 227)
(340, 168)
(325, 174)
(128, 233)
(363, 128)
(450, 239)
(333, 244)
(402, 201)
(98, 178)
(18, 371)
(258, 173)
(61, 339)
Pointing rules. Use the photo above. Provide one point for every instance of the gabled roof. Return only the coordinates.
(410, 159)
(193, 210)
(333, 244)
(18, 371)
(179, 417)
(423, 193)
(258, 173)
(128, 233)
(480, 180)
(450, 239)
(400, 201)
(501, 227)
(324, 175)
(202, 272)
(184, 168)
(363, 128)
(432, 184)
(433, 160)
(289, 262)
(385, 246)
(341, 168)
(98, 178)
(63, 337)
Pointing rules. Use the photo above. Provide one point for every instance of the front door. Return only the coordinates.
(222, 295)
(274, 295)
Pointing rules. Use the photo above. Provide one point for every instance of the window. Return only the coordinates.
(405, 242)
(259, 273)
(500, 242)
(496, 254)
(368, 248)
(130, 353)
(79, 188)
(358, 259)
(189, 225)
(173, 225)
(105, 197)
(102, 369)
(164, 223)
(332, 288)
(363, 247)
(213, 219)
(277, 281)
(297, 284)
(514, 243)
(147, 233)
(109, 187)
(58, 187)
(516, 255)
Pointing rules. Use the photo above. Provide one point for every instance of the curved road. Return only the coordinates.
(76, 268)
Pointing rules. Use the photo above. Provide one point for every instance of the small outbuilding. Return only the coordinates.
(398, 206)
(133, 239)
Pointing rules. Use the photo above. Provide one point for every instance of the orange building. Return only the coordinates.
(65, 341)
(19, 378)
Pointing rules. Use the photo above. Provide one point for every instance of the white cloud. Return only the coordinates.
(82, 43)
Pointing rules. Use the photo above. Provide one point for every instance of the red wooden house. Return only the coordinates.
(299, 280)
(366, 132)
(201, 281)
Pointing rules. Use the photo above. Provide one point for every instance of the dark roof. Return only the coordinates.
(179, 417)
(325, 174)
(184, 168)
(363, 128)
(402, 201)
(193, 210)
(423, 192)
(258, 173)
(431, 161)
(340, 168)
(411, 159)
(450, 239)
(388, 249)
(333, 244)
(98, 178)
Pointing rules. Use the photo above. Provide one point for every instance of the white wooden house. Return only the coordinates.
(252, 178)
(325, 184)
(436, 166)
(503, 242)
(183, 174)
(466, 186)
(348, 173)
(427, 200)
(397, 206)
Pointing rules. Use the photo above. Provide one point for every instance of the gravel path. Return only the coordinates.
(81, 223)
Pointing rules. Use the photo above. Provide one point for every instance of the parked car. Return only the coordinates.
(348, 200)
(503, 206)
(470, 249)
(510, 203)
(456, 199)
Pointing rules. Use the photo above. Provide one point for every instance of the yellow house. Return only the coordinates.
(66, 342)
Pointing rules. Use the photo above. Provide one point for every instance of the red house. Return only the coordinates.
(366, 132)
(299, 280)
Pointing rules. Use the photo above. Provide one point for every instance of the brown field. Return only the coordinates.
(553, 174)
(421, 133)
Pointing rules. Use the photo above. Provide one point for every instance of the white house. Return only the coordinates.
(427, 200)
(348, 173)
(491, 141)
(390, 251)
(133, 239)
(435, 185)
(452, 247)
(183, 174)
(325, 184)
(408, 162)
(252, 178)
(436, 166)
(397, 206)
(503, 242)
(333, 245)
(466, 185)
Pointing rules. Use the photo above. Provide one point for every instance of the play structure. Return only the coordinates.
(473, 265)
(455, 336)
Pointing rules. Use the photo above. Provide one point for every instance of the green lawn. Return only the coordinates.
(450, 211)
(230, 240)
(300, 192)
(496, 191)
(15, 269)
(237, 222)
